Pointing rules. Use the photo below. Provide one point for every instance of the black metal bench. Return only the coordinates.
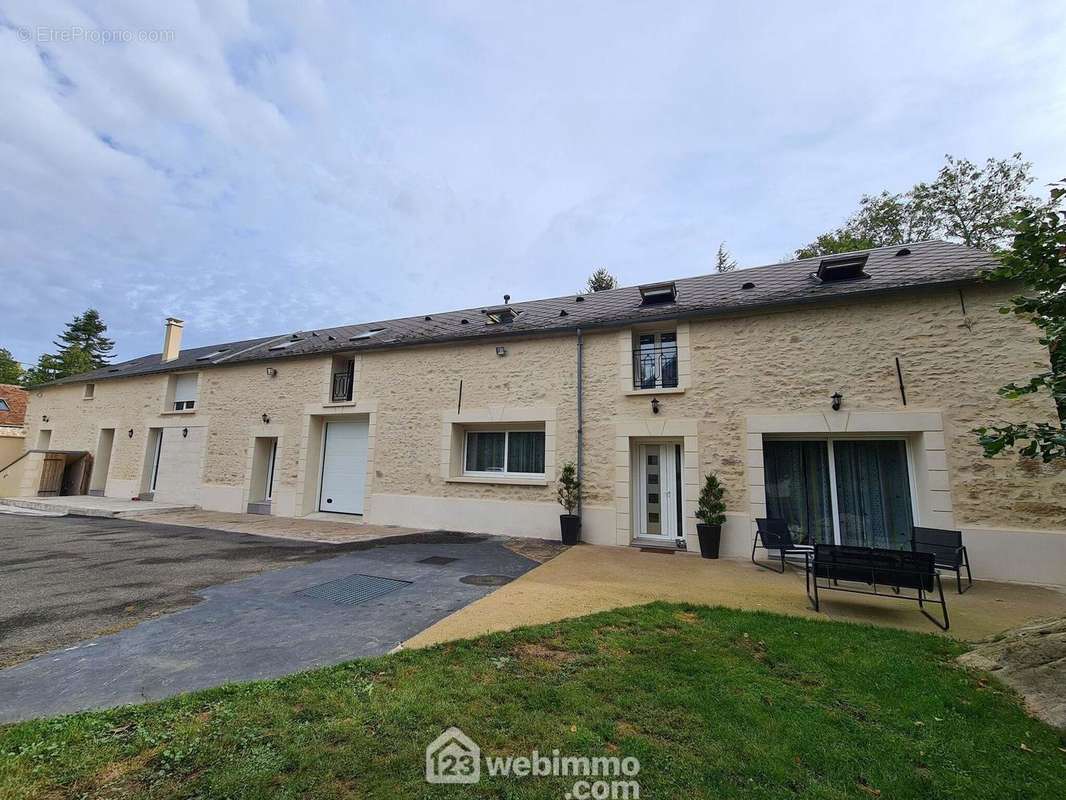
(947, 549)
(774, 534)
(876, 567)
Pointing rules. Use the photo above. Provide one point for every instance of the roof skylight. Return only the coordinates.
(653, 293)
(841, 268)
(501, 315)
(213, 355)
(367, 334)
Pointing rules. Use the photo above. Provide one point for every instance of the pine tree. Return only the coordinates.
(86, 333)
(723, 262)
(10, 369)
(600, 280)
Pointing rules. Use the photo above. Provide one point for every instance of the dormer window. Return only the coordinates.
(841, 268)
(502, 315)
(656, 293)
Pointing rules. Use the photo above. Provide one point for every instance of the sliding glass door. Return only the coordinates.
(847, 491)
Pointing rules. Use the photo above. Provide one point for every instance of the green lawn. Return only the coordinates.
(715, 703)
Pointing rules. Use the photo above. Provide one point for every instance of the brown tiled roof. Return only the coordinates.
(15, 397)
(928, 263)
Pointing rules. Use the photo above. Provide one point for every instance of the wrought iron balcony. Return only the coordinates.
(342, 386)
(655, 369)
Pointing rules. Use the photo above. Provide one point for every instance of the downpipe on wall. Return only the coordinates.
(580, 415)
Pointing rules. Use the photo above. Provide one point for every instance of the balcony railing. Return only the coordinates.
(342, 386)
(655, 369)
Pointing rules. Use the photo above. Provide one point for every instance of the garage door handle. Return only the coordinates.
(329, 499)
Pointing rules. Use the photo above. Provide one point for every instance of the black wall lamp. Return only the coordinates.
(130, 433)
(501, 350)
(271, 372)
(44, 418)
(266, 419)
(655, 405)
(184, 433)
(837, 399)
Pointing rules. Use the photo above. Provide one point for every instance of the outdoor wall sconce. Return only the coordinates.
(44, 418)
(130, 433)
(655, 405)
(271, 372)
(501, 350)
(837, 399)
(184, 433)
(266, 419)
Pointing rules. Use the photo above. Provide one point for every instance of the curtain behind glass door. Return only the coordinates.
(797, 488)
(873, 493)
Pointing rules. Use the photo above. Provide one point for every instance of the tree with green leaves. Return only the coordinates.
(86, 333)
(10, 370)
(723, 261)
(49, 367)
(1037, 259)
(600, 281)
(967, 203)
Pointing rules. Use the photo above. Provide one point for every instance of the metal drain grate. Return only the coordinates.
(353, 589)
(439, 561)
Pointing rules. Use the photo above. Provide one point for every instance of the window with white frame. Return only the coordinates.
(493, 453)
(655, 360)
(186, 387)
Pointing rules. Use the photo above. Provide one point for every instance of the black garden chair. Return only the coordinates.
(775, 535)
(947, 549)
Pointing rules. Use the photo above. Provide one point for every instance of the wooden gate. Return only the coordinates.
(52, 474)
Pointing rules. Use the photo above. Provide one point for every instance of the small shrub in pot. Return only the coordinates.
(569, 494)
(711, 515)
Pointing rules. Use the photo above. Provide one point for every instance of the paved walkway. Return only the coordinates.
(262, 627)
(587, 579)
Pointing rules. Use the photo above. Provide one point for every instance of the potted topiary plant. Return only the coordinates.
(711, 515)
(569, 496)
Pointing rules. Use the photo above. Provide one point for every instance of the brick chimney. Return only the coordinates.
(172, 339)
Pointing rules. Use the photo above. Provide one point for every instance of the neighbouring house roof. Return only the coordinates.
(15, 399)
(921, 264)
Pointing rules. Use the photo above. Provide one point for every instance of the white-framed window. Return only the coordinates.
(512, 452)
(90, 391)
(655, 360)
(186, 387)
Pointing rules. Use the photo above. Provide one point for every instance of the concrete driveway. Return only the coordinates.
(263, 607)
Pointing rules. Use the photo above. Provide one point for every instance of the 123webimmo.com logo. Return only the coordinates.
(453, 757)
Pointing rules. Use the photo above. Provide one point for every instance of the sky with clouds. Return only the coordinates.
(257, 168)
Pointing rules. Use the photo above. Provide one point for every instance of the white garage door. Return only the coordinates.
(180, 463)
(344, 467)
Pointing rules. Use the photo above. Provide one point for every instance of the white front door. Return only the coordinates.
(658, 490)
(344, 467)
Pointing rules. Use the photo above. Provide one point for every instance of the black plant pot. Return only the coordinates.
(570, 525)
(710, 539)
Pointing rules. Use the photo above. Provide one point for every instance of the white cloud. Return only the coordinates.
(280, 165)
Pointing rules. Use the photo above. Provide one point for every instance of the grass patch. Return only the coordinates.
(714, 702)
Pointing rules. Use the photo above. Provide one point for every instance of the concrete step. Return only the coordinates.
(87, 506)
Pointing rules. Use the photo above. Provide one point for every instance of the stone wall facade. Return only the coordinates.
(785, 362)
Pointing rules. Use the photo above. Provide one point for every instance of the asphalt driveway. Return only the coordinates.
(64, 579)
(245, 607)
